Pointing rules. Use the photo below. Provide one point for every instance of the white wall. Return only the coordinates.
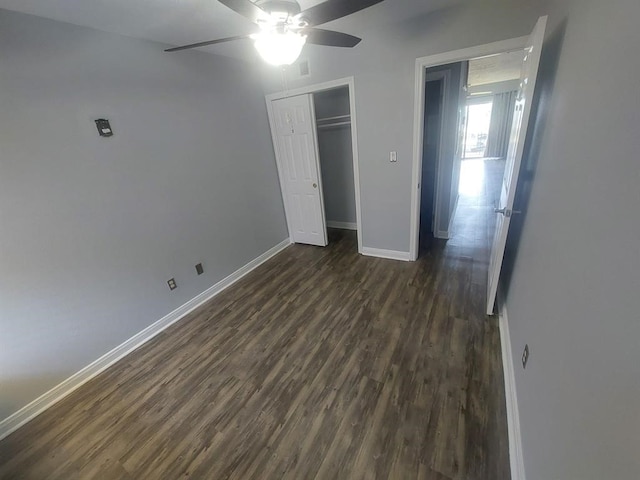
(383, 69)
(92, 228)
(574, 290)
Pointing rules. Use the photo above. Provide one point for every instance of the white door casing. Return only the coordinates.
(297, 149)
(514, 156)
(421, 66)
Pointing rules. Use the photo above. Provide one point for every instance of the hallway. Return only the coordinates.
(474, 220)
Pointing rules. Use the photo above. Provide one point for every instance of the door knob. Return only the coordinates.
(506, 211)
(315, 185)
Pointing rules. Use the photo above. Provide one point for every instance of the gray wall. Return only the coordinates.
(336, 157)
(454, 182)
(449, 171)
(431, 135)
(92, 228)
(574, 283)
(383, 67)
(574, 289)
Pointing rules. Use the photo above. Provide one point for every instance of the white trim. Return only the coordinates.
(513, 416)
(57, 393)
(282, 170)
(342, 225)
(315, 88)
(446, 234)
(316, 146)
(274, 140)
(454, 211)
(383, 253)
(422, 64)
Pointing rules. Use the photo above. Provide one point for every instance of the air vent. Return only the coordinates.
(304, 68)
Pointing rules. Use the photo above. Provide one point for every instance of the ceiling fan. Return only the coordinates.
(284, 28)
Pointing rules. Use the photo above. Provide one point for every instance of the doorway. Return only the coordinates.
(333, 169)
(467, 116)
(509, 114)
(333, 127)
(476, 128)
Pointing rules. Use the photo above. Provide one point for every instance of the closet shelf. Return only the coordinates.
(334, 125)
(338, 118)
(331, 122)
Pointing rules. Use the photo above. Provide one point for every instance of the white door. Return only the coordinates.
(514, 156)
(300, 169)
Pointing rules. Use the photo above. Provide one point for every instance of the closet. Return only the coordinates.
(333, 124)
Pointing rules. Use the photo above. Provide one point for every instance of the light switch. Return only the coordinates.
(393, 157)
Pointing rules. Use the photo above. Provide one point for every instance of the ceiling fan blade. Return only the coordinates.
(329, 38)
(204, 44)
(247, 9)
(334, 9)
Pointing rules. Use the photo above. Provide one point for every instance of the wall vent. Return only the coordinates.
(304, 68)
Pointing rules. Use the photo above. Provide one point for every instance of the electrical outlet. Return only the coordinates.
(172, 284)
(199, 269)
(525, 356)
(393, 157)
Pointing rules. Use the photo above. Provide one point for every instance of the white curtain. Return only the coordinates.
(500, 126)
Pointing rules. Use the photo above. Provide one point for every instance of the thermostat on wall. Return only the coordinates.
(104, 129)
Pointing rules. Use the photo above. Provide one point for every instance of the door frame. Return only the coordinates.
(421, 65)
(311, 89)
(445, 77)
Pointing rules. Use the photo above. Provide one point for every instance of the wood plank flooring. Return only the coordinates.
(320, 364)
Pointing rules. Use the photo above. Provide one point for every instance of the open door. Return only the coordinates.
(297, 152)
(514, 156)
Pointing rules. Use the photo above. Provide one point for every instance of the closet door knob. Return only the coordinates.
(315, 185)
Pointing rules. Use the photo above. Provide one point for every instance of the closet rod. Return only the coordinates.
(337, 124)
(339, 117)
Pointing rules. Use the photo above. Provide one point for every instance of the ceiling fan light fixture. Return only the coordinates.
(279, 48)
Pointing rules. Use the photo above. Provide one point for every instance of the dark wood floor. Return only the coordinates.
(319, 364)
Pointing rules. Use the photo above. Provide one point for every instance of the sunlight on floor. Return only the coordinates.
(471, 178)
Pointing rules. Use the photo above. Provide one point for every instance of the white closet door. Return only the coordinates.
(298, 158)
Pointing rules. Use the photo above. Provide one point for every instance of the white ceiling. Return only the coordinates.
(496, 68)
(179, 22)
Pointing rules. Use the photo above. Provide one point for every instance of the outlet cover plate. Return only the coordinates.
(525, 356)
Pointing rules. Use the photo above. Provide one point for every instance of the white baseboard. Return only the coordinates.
(57, 393)
(453, 213)
(513, 417)
(445, 234)
(342, 225)
(382, 253)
